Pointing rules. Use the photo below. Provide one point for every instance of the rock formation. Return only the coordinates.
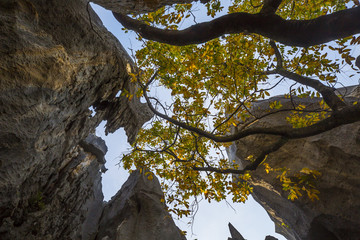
(58, 64)
(235, 235)
(137, 212)
(336, 154)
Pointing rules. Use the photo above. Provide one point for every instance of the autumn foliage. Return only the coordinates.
(213, 85)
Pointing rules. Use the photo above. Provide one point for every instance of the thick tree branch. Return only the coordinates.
(346, 115)
(328, 93)
(302, 33)
(253, 166)
(270, 6)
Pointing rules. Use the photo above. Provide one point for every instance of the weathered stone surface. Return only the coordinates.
(68, 206)
(138, 6)
(336, 154)
(55, 64)
(138, 212)
(96, 146)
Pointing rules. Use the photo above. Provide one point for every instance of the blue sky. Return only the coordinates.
(211, 220)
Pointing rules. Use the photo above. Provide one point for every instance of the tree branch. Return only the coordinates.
(302, 33)
(328, 93)
(270, 6)
(253, 166)
(346, 115)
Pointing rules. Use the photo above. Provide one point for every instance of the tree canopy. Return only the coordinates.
(216, 70)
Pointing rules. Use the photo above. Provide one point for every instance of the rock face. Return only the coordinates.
(58, 64)
(336, 154)
(137, 212)
(68, 206)
(138, 6)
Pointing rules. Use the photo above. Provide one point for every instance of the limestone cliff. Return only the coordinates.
(336, 154)
(58, 64)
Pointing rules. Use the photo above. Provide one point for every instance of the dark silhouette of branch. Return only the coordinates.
(302, 33)
(251, 167)
(328, 93)
(270, 6)
(345, 115)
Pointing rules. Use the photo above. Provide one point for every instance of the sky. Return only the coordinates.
(211, 220)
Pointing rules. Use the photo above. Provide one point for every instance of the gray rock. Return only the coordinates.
(235, 235)
(336, 154)
(137, 212)
(271, 238)
(57, 61)
(96, 146)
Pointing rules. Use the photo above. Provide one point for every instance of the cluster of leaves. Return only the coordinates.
(299, 119)
(297, 184)
(212, 87)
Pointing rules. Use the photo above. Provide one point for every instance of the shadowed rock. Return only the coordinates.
(96, 146)
(138, 212)
(57, 61)
(270, 238)
(335, 154)
(235, 235)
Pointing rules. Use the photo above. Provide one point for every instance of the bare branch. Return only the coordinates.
(251, 167)
(302, 33)
(327, 93)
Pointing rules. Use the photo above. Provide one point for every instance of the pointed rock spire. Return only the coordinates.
(235, 235)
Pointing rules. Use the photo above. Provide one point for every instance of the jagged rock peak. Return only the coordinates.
(235, 235)
(138, 212)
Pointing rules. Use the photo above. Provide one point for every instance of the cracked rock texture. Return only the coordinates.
(336, 154)
(58, 64)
